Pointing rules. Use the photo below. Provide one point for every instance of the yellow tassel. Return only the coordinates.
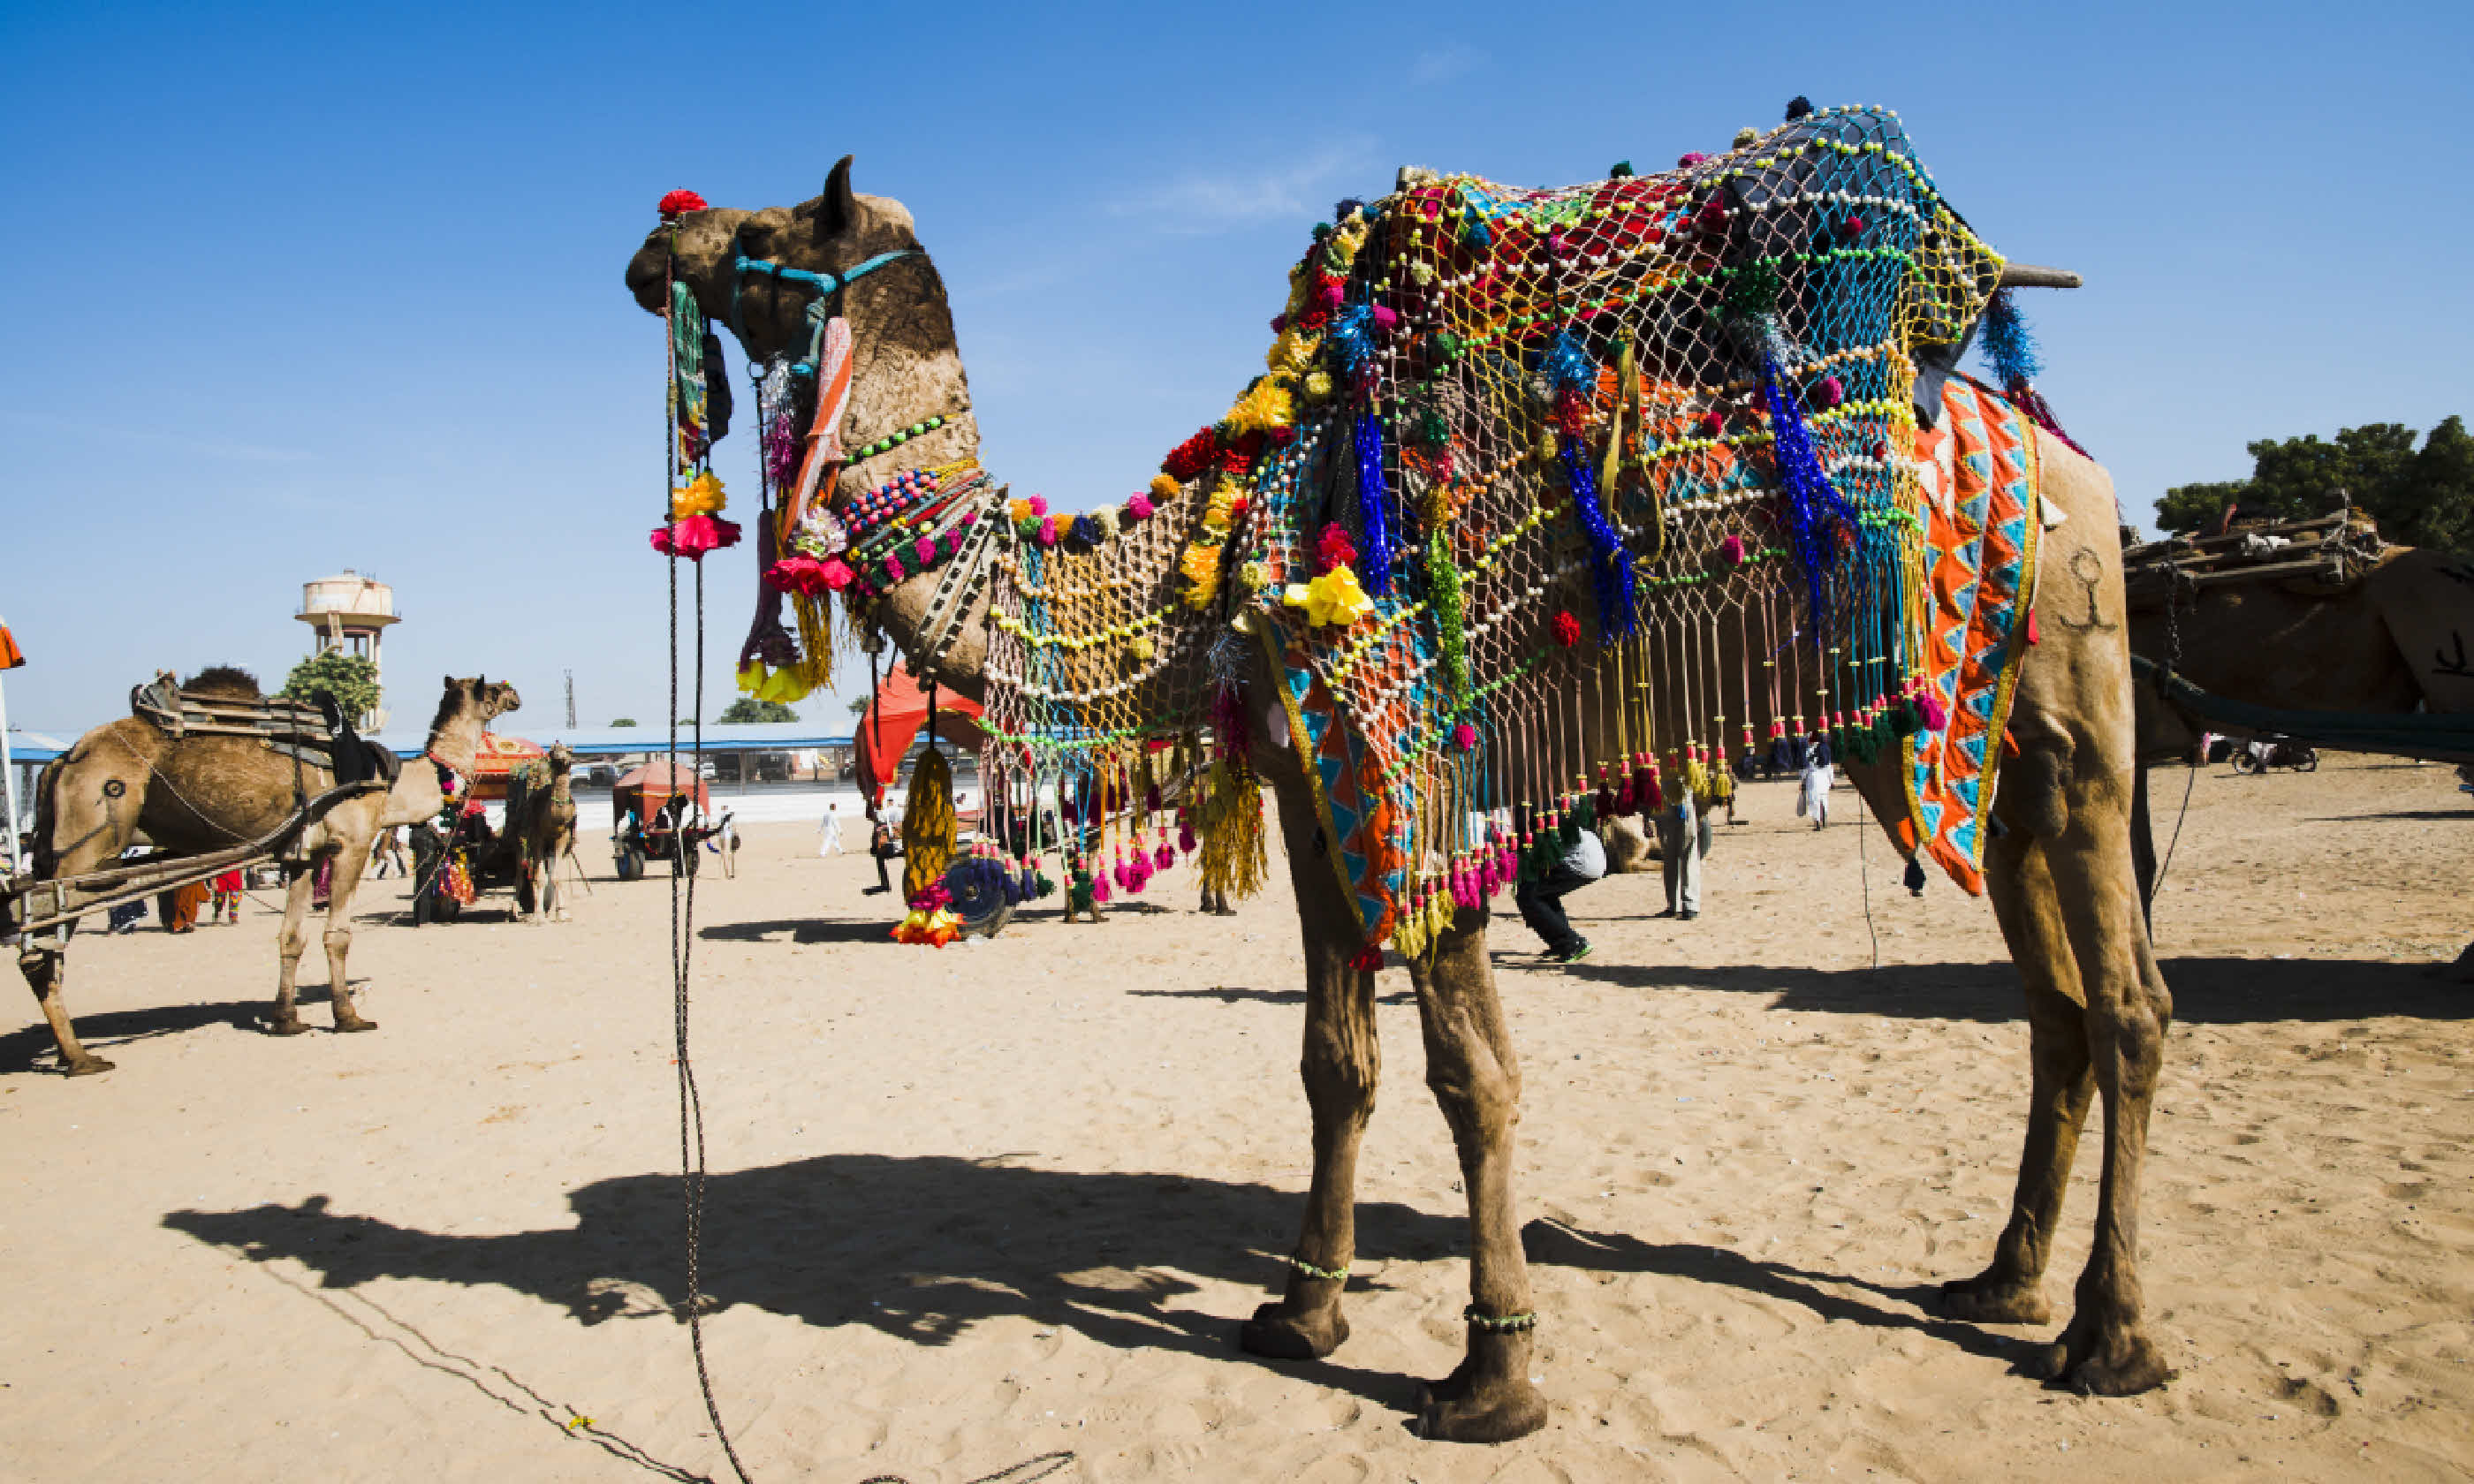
(928, 824)
(1232, 832)
(1201, 566)
(1410, 934)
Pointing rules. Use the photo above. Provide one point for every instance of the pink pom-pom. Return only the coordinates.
(1047, 530)
(1038, 504)
(1464, 737)
(1334, 295)
(1829, 393)
(893, 568)
(1696, 158)
(1935, 717)
(1124, 881)
(1139, 508)
(1385, 317)
(1165, 856)
(1099, 886)
(926, 548)
(1733, 549)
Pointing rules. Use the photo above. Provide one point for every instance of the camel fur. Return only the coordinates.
(191, 795)
(2062, 886)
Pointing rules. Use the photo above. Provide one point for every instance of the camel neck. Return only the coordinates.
(458, 742)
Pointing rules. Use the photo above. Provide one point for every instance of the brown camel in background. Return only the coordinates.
(2394, 641)
(2060, 871)
(193, 795)
(541, 830)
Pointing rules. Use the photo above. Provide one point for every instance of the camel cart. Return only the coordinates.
(658, 812)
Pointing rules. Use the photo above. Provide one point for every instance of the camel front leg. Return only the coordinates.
(2011, 1291)
(1341, 1064)
(1469, 1065)
(46, 971)
(339, 938)
(298, 882)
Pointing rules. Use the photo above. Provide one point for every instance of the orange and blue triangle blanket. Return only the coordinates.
(1983, 498)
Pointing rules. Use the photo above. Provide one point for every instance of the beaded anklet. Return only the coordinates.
(1502, 1323)
(1338, 1275)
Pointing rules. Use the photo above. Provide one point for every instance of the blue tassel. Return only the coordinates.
(1351, 338)
(2008, 342)
(1474, 234)
(1815, 509)
(1376, 557)
(1567, 365)
(1610, 571)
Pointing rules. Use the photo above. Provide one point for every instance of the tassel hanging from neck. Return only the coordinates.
(1372, 503)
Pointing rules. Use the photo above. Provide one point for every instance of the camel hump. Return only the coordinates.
(223, 680)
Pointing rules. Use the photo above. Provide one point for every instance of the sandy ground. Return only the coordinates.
(977, 1205)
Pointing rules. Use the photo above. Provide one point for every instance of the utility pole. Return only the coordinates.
(570, 699)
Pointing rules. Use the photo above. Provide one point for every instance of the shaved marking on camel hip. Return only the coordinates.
(2089, 568)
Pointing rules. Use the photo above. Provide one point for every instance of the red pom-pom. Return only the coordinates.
(681, 202)
(1830, 393)
(1369, 959)
(1712, 424)
(1279, 322)
(1189, 459)
(1567, 630)
(1333, 549)
(1853, 226)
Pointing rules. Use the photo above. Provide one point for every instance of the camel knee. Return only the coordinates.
(1339, 1083)
(338, 940)
(1478, 1098)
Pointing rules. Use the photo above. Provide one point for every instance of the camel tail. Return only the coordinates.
(45, 859)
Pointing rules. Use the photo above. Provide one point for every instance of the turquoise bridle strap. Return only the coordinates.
(822, 285)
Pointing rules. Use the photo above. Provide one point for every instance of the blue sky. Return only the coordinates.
(302, 288)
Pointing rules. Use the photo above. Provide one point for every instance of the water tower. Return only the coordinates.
(349, 612)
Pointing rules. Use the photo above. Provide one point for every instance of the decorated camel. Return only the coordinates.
(1626, 475)
(540, 828)
(2323, 619)
(206, 791)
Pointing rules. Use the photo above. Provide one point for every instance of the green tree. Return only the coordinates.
(858, 706)
(751, 709)
(352, 680)
(622, 721)
(2421, 497)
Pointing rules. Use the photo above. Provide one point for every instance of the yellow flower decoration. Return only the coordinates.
(1201, 566)
(1255, 576)
(699, 496)
(1265, 407)
(1333, 598)
(1317, 385)
(1293, 350)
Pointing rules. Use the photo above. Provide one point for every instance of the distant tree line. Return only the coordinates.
(2420, 497)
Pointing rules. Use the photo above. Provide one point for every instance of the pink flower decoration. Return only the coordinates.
(1037, 504)
(836, 573)
(893, 568)
(694, 536)
(926, 547)
(1046, 529)
(1334, 295)
(1465, 736)
(1385, 317)
(1139, 508)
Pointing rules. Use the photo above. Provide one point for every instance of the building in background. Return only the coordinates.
(351, 613)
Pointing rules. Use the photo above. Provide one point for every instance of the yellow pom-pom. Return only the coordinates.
(699, 496)
(1164, 486)
(1317, 385)
(1142, 648)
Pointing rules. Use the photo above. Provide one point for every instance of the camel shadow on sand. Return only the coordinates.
(32, 1049)
(2206, 990)
(924, 1248)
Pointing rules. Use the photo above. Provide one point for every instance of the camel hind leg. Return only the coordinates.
(91, 802)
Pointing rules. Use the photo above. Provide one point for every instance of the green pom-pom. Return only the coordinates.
(1622, 169)
(1584, 815)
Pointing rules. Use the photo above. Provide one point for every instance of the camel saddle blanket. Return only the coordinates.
(316, 735)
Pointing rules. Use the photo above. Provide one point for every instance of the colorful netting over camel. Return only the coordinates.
(1527, 469)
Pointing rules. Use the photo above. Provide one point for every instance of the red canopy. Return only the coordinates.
(648, 788)
(895, 713)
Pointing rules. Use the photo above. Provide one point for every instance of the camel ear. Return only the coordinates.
(837, 209)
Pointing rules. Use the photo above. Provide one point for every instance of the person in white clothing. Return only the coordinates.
(1813, 803)
(829, 833)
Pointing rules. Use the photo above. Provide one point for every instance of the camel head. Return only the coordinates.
(561, 758)
(474, 700)
(829, 235)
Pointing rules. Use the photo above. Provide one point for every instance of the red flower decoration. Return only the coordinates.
(680, 203)
(1567, 630)
(1334, 549)
(1189, 459)
(694, 536)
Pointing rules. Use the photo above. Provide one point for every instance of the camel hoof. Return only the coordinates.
(1452, 1411)
(1276, 1333)
(287, 1025)
(2125, 1367)
(346, 1024)
(87, 1066)
(1987, 1301)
